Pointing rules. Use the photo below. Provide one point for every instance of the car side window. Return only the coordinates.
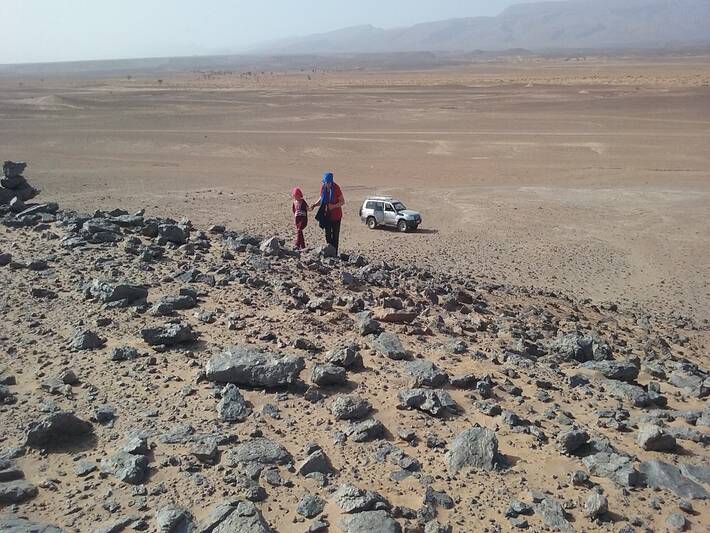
(370, 205)
(389, 208)
(379, 206)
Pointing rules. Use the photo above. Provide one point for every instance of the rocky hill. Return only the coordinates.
(576, 24)
(155, 376)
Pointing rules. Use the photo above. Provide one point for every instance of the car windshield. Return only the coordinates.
(398, 206)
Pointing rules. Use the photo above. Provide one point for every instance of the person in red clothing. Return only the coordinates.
(331, 202)
(300, 215)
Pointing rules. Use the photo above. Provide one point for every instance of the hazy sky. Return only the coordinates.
(65, 30)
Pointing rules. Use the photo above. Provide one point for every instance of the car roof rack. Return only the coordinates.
(379, 197)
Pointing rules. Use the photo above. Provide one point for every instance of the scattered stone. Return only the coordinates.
(616, 467)
(170, 334)
(389, 345)
(127, 467)
(596, 506)
(86, 340)
(352, 499)
(346, 357)
(676, 523)
(553, 515)
(258, 450)
(232, 407)
(317, 461)
(16, 491)
(434, 402)
(327, 374)
(425, 373)
(618, 370)
(173, 519)
(369, 522)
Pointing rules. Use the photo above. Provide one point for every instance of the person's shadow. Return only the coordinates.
(423, 231)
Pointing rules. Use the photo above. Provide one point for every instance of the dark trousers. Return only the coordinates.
(332, 233)
(301, 223)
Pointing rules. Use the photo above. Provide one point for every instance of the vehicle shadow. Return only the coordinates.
(419, 231)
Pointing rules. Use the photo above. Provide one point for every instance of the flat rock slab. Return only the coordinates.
(235, 517)
(169, 334)
(17, 491)
(434, 402)
(425, 373)
(657, 474)
(22, 525)
(250, 367)
(259, 450)
(619, 468)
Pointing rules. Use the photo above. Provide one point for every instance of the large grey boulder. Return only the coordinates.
(127, 467)
(170, 334)
(86, 340)
(310, 505)
(174, 519)
(250, 367)
(316, 462)
(172, 233)
(10, 524)
(16, 491)
(581, 348)
(350, 407)
(389, 345)
(365, 430)
(232, 407)
(257, 450)
(657, 474)
(425, 373)
(653, 438)
(634, 394)
(326, 374)
(122, 295)
(695, 384)
(619, 468)
(698, 473)
(570, 441)
(370, 522)
(434, 402)
(476, 447)
(596, 506)
(57, 428)
(618, 370)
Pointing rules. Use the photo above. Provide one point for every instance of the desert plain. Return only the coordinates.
(566, 209)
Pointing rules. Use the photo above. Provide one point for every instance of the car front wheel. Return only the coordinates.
(371, 222)
(402, 225)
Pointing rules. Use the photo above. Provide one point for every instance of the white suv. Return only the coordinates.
(386, 211)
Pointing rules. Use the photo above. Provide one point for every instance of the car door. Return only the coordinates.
(390, 215)
(379, 212)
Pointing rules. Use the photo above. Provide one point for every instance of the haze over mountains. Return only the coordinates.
(577, 24)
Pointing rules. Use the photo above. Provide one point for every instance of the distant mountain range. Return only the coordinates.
(544, 26)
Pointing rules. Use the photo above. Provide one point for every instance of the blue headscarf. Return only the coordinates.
(327, 178)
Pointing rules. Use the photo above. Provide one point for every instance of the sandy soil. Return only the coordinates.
(590, 176)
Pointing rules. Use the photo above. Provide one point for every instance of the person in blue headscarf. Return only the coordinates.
(330, 212)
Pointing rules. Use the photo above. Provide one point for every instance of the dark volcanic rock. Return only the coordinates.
(553, 515)
(389, 345)
(258, 450)
(120, 295)
(232, 407)
(86, 340)
(22, 525)
(16, 491)
(579, 348)
(653, 438)
(614, 466)
(127, 467)
(476, 448)
(310, 505)
(350, 407)
(425, 373)
(250, 367)
(327, 374)
(57, 428)
(235, 517)
(369, 522)
(173, 519)
(434, 402)
(170, 334)
(618, 370)
(657, 474)
(352, 499)
(570, 441)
